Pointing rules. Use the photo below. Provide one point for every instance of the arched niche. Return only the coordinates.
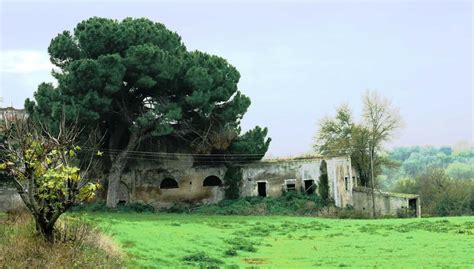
(212, 181)
(169, 183)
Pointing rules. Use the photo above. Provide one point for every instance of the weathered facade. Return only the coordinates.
(386, 203)
(165, 182)
(273, 177)
(178, 179)
(175, 179)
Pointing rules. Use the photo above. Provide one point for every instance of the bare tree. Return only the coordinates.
(382, 120)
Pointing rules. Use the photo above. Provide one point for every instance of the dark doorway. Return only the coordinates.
(412, 207)
(262, 189)
(212, 181)
(309, 187)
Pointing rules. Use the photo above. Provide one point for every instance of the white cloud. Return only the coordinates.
(24, 61)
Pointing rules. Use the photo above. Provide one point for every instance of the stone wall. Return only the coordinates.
(177, 179)
(278, 176)
(143, 182)
(340, 181)
(10, 199)
(386, 203)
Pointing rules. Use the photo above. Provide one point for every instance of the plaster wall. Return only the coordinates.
(143, 181)
(10, 199)
(277, 173)
(385, 203)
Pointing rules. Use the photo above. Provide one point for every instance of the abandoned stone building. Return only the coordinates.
(178, 179)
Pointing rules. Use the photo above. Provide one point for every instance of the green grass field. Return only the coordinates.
(181, 241)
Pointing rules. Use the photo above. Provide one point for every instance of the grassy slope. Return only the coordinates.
(162, 240)
(20, 247)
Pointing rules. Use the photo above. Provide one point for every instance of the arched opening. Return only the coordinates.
(212, 181)
(122, 194)
(169, 183)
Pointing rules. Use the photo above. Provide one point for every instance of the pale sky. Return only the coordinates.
(298, 60)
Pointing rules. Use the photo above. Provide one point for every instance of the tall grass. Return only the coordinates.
(79, 246)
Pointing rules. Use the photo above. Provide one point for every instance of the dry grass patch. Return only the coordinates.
(78, 245)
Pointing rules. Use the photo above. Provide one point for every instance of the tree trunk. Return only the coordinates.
(372, 182)
(113, 179)
(118, 165)
(45, 228)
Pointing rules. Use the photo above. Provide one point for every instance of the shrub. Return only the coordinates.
(100, 206)
(232, 178)
(202, 260)
(242, 244)
(230, 252)
(290, 203)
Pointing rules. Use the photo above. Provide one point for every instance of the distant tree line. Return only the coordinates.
(443, 177)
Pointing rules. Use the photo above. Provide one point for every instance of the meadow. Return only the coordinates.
(193, 241)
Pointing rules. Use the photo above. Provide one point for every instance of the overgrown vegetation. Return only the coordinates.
(440, 194)
(290, 203)
(100, 206)
(80, 245)
(232, 178)
(323, 187)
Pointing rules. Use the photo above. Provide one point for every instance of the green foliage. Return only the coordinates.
(413, 161)
(59, 184)
(252, 145)
(290, 203)
(459, 170)
(242, 244)
(341, 136)
(100, 206)
(323, 182)
(440, 194)
(5, 179)
(136, 76)
(135, 83)
(232, 179)
(46, 172)
(202, 260)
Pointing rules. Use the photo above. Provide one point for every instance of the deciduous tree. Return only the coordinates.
(363, 141)
(45, 171)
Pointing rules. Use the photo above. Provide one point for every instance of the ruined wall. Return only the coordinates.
(277, 175)
(143, 182)
(340, 181)
(10, 199)
(385, 203)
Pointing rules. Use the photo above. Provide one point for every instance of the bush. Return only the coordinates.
(290, 203)
(202, 260)
(100, 206)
